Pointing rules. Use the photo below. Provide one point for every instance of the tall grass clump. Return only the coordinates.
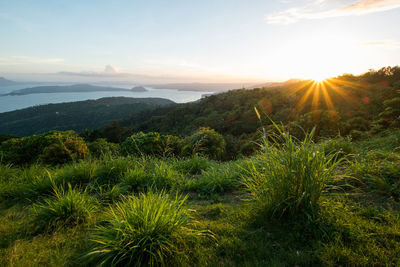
(150, 230)
(155, 174)
(194, 165)
(67, 208)
(217, 180)
(292, 178)
(111, 170)
(78, 174)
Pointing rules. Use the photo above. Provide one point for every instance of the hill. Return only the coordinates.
(77, 88)
(76, 116)
(345, 105)
(5, 82)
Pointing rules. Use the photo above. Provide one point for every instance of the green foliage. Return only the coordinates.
(50, 148)
(215, 181)
(67, 208)
(340, 147)
(114, 132)
(206, 142)
(150, 230)
(292, 179)
(110, 171)
(151, 143)
(380, 172)
(101, 147)
(77, 174)
(391, 115)
(193, 165)
(78, 116)
(157, 175)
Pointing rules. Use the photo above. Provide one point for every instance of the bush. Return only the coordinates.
(150, 230)
(49, 148)
(101, 147)
(206, 142)
(292, 178)
(67, 208)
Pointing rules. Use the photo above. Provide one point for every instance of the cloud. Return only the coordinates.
(22, 60)
(110, 69)
(382, 43)
(321, 9)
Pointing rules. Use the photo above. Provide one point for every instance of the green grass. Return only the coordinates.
(292, 178)
(152, 229)
(67, 208)
(296, 203)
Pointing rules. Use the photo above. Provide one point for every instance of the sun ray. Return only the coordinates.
(300, 104)
(326, 95)
(315, 101)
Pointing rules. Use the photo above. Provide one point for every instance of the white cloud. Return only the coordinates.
(110, 69)
(320, 9)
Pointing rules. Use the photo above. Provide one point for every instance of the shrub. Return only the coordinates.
(66, 208)
(101, 147)
(64, 152)
(292, 179)
(206, 142)
(150, 230)
(49, 148)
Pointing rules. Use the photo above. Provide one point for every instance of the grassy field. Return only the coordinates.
(335, 203)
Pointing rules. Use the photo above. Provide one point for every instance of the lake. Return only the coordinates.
(9, 103)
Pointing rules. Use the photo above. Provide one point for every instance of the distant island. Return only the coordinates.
(77, 88)
(139, 89)
(5, 82)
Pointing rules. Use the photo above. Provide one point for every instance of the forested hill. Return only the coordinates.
(345, 104)
(76, 116)
(76, 88)
(5, 82)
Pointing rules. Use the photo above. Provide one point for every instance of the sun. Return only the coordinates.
(318, 78)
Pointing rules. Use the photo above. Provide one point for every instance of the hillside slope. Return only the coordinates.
(76, 116)
(76, 88)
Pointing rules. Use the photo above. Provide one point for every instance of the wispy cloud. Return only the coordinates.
(329, 8)
(22, 60)
(381, 43)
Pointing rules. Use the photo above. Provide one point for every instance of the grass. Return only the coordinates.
(67, 208)
(296, 203)
(152, 229)
(293, 177)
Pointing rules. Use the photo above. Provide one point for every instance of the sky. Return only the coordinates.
(196, 41)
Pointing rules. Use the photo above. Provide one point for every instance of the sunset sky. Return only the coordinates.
(199, 41)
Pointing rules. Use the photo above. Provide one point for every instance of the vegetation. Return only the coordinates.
(77, 116)
(311, 198)
(148, 230)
